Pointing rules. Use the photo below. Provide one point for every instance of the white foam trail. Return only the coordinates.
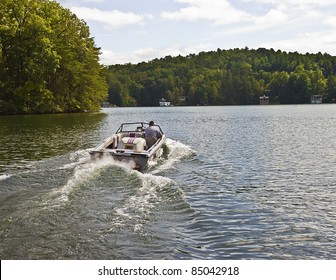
(85, 169)
(5, 177)
(83, 172)
(177, 151)
(138, 208)
(77, 158)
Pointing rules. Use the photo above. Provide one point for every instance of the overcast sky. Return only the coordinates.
(141, 30)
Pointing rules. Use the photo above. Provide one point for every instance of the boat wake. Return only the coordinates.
(5, 177)
(138, 208)
(82, 171)
(177, 151)
(146, 190)
(85, 170)
(154, 189)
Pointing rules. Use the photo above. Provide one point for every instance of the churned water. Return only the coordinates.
(245, 182)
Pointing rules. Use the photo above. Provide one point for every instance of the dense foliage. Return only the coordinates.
(48, 62)
(225, 77)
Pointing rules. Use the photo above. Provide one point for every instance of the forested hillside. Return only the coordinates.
(50, 64)
(225, 77)
(48, 61)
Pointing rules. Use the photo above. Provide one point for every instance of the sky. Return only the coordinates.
(132, 31)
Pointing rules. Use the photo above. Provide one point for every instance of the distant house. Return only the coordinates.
(316, 99)
(164, 103)
(264, 100)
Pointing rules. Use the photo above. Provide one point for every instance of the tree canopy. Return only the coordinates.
(48, 61)
(225, 77)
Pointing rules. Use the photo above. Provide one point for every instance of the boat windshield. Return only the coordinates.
(132, 127)
(135, 127)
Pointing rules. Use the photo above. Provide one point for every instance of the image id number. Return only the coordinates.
(229, 271)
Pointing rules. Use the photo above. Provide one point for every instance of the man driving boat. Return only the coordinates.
(152, 132)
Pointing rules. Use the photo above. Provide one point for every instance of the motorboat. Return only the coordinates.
(129, 144)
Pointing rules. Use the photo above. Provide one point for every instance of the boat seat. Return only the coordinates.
(136, 134)
(114, 143)
(131, 143)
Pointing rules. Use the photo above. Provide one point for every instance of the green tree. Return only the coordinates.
(318, 82)
(278, 86)
(331, 89)
(48, 61)
(298, 87)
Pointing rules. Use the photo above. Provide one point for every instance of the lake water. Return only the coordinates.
(242, 182)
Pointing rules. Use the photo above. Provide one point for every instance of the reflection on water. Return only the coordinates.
(28, 138)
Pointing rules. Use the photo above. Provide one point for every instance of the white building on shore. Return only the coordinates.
(164, 103)
(316, 99)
